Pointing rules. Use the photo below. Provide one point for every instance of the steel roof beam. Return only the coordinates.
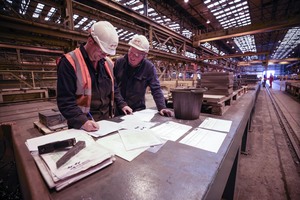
(246, 30)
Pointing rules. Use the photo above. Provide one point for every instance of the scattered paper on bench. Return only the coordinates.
(136, 124)
(134, 139)
(143, 115)
(204, 139)
(171, 130)
(216, 124)
(106, 127)
(114, 143)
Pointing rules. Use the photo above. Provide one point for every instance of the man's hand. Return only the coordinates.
(127, 110)
(166, 112)
(90, 126)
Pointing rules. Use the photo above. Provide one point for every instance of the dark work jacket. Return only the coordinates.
(133, 82)
(101, 92)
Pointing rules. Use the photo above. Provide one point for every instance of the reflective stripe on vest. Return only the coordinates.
(84, 83)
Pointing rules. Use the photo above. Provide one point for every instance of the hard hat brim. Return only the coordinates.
(105, 49)
(137, 47)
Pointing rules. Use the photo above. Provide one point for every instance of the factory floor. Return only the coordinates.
(267, 170)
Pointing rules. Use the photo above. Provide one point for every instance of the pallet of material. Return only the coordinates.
(45, 130)
(216, 104)
(293, 88)
(219, 104)
(238, 93)
(218, 83)
(51, 118)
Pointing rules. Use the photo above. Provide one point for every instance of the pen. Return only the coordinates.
(91, 116)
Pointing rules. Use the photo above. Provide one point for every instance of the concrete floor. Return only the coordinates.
(269, 171)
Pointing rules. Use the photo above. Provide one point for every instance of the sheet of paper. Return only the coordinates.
(106, 127)
(156, 148)
(204, 139)
(136, 124)
(216, 124)
(143, 115)
(33, 143)
(134, 139)
(114, 143)
(171, 130)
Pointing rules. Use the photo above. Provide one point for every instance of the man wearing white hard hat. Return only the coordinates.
(134, 73)
(85, 82)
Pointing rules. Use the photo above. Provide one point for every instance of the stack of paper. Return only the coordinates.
(89, 160)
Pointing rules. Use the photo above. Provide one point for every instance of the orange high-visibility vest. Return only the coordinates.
(84, 83)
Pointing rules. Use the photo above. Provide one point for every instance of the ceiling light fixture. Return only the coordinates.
(185, 1)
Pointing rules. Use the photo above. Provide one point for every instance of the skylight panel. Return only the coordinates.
(245, 43)
(213, 48)
(216, 9)
(138, 7)
(89, 25)
(38, 10)
(80, 22)
(153, 14)
(210, 6)
(290, 41)
(24, 7)
(174, 25)
(236, 15)
(58, 21)
(132, 2)
(50, 13)
(75, 17)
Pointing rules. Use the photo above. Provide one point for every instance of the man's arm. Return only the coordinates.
(66, 95)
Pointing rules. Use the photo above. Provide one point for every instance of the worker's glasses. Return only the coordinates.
(135, 54)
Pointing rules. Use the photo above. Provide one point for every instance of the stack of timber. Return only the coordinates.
(249, 79)
(293, 88)
(50, 121)
(237, 83)
(217, 83)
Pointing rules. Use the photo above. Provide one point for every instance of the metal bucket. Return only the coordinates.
(187, 102)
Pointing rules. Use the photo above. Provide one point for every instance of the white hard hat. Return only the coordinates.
(106, 36)
(139, 42)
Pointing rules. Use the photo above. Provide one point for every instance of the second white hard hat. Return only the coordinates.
(140, 42)
(106, 36)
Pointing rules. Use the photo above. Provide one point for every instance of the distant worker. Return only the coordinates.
(85, 83)
(271, 78)
(134, 73)
(264, 81)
